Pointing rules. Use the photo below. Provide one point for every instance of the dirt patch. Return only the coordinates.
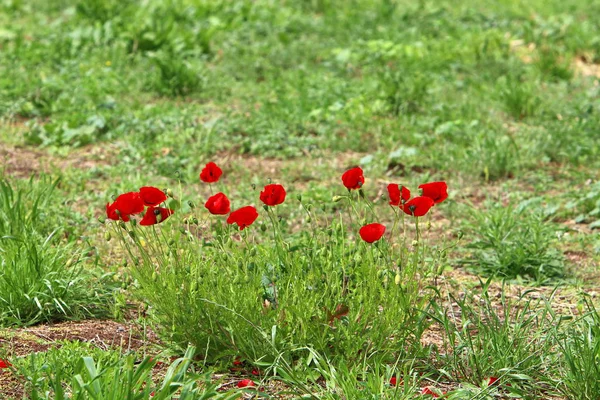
(324, 167)
(19, 162)
(104, 334)
(23, 162)
(587, 69)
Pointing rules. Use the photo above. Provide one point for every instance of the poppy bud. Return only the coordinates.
(309, 220)
(195, 220)
(265, 207)
(171, 242)
(415, 243)
(299, 197)
(131, 234)
(122, 225)
(253, 251)
(101, 219)
(169, 193)
(182, 229)
(191, 204)
(107, 236)
(361, 193)
(124, 263)
(133, 221)
(263, 228)
(337, 198)
(253, 186)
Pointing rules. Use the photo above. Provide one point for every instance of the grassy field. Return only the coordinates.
(492, 294)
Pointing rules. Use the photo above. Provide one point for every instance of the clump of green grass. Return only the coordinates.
(513, 242)
(508, 339)
(580, 348)
(80, 371)
(43, 278)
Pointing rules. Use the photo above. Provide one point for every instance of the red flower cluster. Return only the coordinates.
(132, 203)
(432, 193)
(4, 364)
(219, 204)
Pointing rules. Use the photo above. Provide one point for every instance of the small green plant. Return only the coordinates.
(515, 242)
(587, 206)
(71, 372)
(42, 277)
(176, 76)
(498, 346)
(405, 91)
(518, 97)
(580, 348)
(553, 64)
(494, 156)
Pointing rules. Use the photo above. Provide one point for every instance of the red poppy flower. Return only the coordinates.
(272, 195)
(218, 204)
(396, 194)
(372, 232)
(438, 191)
(152, 196)
(211, 173)
(126, 204)
(4, 364)
(243, 217)
(429, 392)
(353, 178)
(255, 372)
(492, 380)
(393, 381)
(156, 215)
(237, 362)
(111, 212)
(418, 206)
(246, 383)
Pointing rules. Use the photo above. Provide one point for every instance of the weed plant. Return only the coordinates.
(70, 372)
(42, 276)
(514, 242)
(510, 341)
